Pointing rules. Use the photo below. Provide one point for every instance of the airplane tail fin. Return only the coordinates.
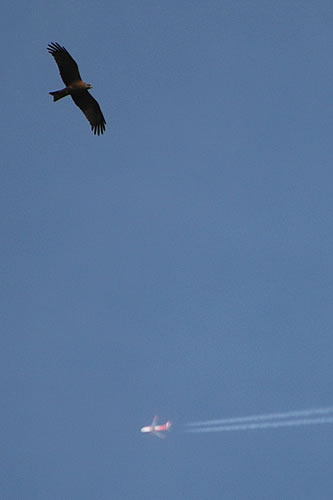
(168, 425)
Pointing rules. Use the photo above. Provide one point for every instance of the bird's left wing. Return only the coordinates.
(91, 109)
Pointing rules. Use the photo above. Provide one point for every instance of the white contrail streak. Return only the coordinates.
(312, 412)
(263, 425)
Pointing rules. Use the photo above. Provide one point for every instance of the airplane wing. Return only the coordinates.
(154, 422)
(159, 435)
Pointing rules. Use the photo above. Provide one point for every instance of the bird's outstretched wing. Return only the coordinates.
(91, 109)
(68, 68)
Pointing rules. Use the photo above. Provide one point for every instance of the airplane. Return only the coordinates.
(157, 430)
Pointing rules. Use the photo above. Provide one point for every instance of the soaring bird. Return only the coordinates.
(76, 88)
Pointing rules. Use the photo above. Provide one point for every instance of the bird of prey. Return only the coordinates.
(76, 88)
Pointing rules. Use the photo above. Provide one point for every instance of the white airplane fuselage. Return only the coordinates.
(156, 429)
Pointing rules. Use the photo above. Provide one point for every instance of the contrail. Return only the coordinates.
(263, 425)
(312, 412)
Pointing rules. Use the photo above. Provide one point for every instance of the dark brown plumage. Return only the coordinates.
(76, 88)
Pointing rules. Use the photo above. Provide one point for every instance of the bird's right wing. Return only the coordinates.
(68, 68)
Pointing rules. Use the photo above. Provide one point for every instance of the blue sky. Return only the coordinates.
(179, 265)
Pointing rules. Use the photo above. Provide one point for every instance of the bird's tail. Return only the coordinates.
(58, 94)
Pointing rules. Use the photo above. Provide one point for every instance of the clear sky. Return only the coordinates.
(179, 265)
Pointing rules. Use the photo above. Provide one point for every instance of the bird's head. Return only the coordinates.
(89, 86)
